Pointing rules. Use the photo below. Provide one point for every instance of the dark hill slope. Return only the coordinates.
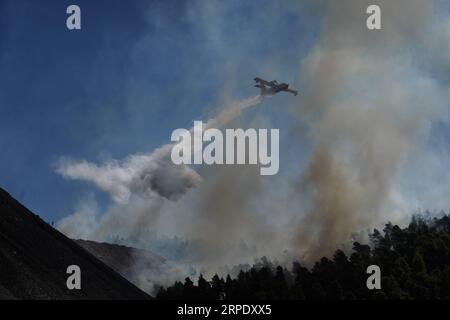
(34, 258)
(127, 260)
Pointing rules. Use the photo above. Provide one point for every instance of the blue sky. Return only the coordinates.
(136, 71)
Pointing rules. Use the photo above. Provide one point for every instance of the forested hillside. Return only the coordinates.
(414, 263)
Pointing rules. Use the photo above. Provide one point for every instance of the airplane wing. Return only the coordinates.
(262, 81)
(292, 91)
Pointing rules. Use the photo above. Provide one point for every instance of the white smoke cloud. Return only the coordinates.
(147, 175)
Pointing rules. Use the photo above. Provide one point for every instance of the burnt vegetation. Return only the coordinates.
(414, 262)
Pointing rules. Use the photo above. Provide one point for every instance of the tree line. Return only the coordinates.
(414, 263)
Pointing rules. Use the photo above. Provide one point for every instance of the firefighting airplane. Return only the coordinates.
(272, 87)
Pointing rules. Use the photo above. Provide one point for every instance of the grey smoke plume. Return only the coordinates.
(147, 175)
(369, 104)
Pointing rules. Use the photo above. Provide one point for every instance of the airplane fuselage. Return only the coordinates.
(275, 89)
(272, 87)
